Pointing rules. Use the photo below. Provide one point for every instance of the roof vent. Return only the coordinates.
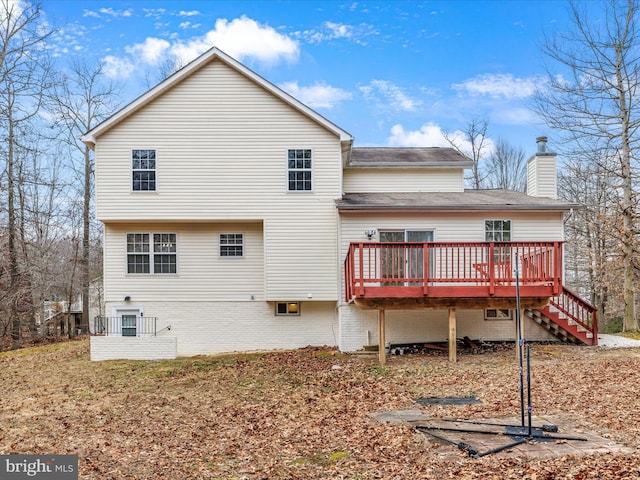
(542, 144)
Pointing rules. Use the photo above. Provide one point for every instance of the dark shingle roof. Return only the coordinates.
(407, 157)
(450, 201)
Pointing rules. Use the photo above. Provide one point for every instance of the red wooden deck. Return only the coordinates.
(452, 270)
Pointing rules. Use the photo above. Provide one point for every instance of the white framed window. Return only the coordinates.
(498, 314)
(498, 231)
(143, 168)
(151, 253)
(299, 169)
(231, 244)
(288, 308)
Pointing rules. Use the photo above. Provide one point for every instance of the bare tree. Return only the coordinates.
(24, 70)
(593, 268)
(506, 167)
(475, 135)
(593, 95)
(81, 100)
(167, 67)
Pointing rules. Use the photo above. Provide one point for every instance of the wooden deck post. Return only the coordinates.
(382, 354)
(453, 344)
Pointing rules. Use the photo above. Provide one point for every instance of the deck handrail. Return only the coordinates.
(425, 264)
(577, 309)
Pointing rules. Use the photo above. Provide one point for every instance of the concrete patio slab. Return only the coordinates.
(578, 441)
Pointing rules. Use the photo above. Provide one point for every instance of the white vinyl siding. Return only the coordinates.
(385, 180)
(542, 177)
(224, 159)
(237, 123)
(203, 275)
(454, 227)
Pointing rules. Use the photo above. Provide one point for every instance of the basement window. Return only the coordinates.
(288, 308)
(498, 314)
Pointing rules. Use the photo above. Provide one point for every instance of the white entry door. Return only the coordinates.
(127, 322)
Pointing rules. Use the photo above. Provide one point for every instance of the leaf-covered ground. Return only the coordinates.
(303, 414)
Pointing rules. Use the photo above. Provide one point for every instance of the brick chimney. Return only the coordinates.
(542, 180)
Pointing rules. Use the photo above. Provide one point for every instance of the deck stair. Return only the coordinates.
(568, 317)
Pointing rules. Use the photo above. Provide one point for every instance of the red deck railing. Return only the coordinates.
(452, 269)
(574, 314)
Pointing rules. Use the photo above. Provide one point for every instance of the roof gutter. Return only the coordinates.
(450, 208)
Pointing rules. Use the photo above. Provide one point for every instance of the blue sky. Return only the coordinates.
(393, 73)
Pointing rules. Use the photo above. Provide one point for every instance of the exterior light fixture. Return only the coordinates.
(370, 233)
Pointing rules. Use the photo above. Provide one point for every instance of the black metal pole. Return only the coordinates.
(519, 441)
(529, 407)
(461, 445)
(519, 341)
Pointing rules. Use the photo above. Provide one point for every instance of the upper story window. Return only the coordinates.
(299, 169)
(143, 167)
(497, 230)
(158, 257)
(231, 244)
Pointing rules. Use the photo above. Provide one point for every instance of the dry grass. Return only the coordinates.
(303, 414)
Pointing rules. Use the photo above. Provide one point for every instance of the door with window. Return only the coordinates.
(407, 262)
(127, 322)
(500, 231)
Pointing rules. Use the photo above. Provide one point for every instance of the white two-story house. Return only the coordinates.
(236, 218)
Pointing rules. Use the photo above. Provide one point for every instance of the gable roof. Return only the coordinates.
(469, 200)
(407, 157)
(210, 55)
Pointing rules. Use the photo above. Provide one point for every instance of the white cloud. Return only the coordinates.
(429, 135)
(189, 13)
(332, 31)
(515, 116)
(152, 51)
(71, 36)
(432, 135)
(188, 24)
(241, 38)
(110, 12)
(117, 68)
(388, 95)
(317, 96)
(116, 13)
(154, 12)
(499, 85)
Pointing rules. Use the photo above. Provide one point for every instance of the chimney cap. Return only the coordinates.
(542, 144)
